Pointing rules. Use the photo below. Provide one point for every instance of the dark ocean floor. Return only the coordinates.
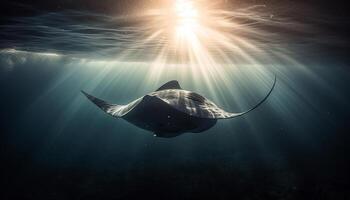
(173, 181)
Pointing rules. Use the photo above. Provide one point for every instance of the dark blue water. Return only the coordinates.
(55, 144)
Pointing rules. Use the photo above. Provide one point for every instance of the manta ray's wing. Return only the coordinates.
(112, 109)
(195, 105)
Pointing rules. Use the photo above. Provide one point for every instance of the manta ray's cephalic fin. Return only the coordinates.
(170, 85)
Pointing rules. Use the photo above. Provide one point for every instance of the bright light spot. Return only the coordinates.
(48, 54)
(43, 54)
(186, 18)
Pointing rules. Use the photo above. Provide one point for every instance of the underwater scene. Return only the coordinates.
(174, 99)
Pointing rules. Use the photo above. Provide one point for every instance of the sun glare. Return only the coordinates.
(186, 17)
(202, 38)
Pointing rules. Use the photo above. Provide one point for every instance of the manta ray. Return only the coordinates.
(171, 111)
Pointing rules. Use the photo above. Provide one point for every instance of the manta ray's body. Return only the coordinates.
(170, 111)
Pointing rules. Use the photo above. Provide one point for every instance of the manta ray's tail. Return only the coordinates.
(258, 104)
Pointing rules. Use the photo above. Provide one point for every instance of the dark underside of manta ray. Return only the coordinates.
(171, 111)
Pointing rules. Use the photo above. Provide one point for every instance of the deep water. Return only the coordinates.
(55, 144)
